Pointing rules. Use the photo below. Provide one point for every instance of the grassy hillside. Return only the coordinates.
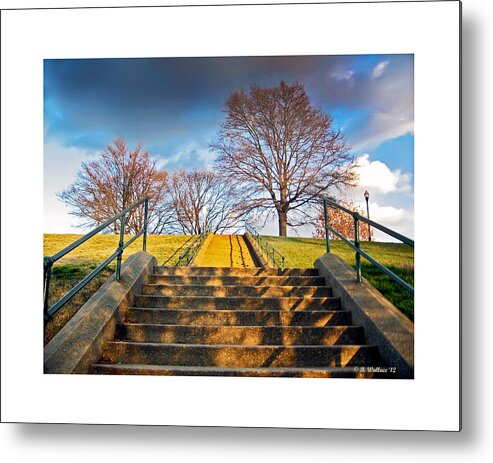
(69, 270)
(302, 252)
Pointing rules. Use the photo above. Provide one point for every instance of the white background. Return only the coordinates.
(57, 443)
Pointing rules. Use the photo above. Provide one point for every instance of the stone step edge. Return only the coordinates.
(229, 371)
(202, 311)
(238, 278)
(302, 269)
(162, 285)
(281, 327)
(242, 346)
(302, 298)
(234, 276)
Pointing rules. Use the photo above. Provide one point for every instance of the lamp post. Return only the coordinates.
(367, 197)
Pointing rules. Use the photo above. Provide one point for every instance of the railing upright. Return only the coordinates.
(146, 219)
(47, 264)
(356, 245)
(120, 248)
(326, 219)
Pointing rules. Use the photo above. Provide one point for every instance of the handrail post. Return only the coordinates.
(357, 244)
(120, 248)
(326, 221)
(146, 212)
(48, 264)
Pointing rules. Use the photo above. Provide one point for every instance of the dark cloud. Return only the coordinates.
(167, 102)
(383, 90)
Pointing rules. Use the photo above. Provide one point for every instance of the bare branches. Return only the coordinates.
(203, 200)
(284, 151)
(114, 181)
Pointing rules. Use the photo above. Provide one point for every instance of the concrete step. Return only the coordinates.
(237, 317)
(241, 303)
(232, 356)
(240, 335)
(234, 271)
(173, 370)
(236, 291)
(246, 280)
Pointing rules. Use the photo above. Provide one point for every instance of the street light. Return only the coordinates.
(367, 197)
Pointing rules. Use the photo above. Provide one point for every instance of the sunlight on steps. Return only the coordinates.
(225, 251)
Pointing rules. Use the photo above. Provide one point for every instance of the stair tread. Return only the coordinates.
(237, 371)
(241, 346)
(232, 272)
(215, 267)
(233, 286)
(246, 275)
(240, 334)
(167, 325)
(235, 290)
(312, 298)
(202, 311)
(237, 277)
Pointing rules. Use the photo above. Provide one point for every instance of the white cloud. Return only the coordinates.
(340, 74)
(377, 177)
(379, 69)
(399, 219)
(390, 196)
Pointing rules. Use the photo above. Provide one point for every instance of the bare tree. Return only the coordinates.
(342, 222)
(204, 200)
(118, 178)
(283, 150)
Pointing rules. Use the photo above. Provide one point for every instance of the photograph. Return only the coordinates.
(267, 205)
(210, 215)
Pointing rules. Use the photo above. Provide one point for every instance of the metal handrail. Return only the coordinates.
(191, 251)
(48, 261)
(264, 246)
(356, 245)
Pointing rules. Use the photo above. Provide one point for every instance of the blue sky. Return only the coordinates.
(175, 107)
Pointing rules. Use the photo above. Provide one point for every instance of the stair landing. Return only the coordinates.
(225, 251)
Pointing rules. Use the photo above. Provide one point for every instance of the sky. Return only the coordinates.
(175, 107)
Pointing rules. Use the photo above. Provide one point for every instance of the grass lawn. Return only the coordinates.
(72, 268)
(302, 252)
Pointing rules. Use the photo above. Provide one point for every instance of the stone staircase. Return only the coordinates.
(223, 321)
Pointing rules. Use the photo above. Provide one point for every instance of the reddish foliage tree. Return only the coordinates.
(342, 222)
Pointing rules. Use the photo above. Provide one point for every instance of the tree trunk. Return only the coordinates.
(283, 222)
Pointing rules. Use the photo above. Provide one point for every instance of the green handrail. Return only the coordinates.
(192, 250)
(356, 245)
(48, 261)
(264, 246)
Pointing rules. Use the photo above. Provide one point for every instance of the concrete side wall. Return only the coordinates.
(259, 259)
(384, 325)
(80, 342)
